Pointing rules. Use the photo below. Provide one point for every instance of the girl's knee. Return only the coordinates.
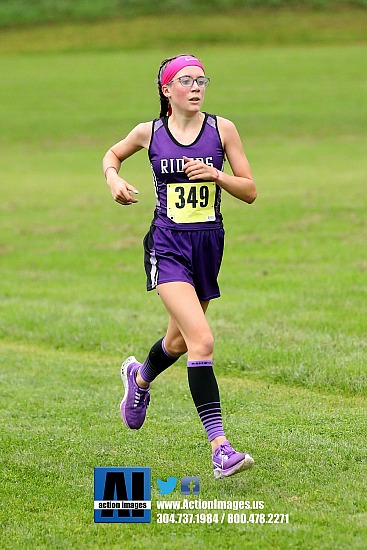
(175, 346)
(202, 345)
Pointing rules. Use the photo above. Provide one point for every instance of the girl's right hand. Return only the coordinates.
(122, 192)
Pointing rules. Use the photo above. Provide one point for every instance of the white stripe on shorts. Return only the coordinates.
(154, 270)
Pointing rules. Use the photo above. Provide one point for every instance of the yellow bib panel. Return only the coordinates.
(191, 202)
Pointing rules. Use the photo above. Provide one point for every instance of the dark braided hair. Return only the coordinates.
(162, 98)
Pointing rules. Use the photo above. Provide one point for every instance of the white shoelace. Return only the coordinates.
(140, 397)
(225, 452)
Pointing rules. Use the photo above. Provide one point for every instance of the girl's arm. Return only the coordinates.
(241, 184)
(137, 139)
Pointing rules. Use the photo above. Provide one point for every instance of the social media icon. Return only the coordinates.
(166, 487)
(190, 485)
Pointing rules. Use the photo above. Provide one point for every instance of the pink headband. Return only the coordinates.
(176, 65)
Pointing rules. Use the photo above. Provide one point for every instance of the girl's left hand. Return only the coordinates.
(198, 170)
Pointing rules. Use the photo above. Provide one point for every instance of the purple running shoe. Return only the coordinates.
(227, 461)
(136, 400)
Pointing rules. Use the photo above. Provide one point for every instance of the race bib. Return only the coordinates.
(191, 202)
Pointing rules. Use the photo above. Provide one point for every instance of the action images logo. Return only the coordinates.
(122, 495)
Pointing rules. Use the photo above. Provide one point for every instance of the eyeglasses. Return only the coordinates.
(188, 81)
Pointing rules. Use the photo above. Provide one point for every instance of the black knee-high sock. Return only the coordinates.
(157, 361)
(204, 390)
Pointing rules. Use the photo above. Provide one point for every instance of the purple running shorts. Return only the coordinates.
(193, 257)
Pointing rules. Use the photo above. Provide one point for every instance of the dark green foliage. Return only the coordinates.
(15, 12)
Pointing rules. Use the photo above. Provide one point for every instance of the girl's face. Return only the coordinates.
(185, 98)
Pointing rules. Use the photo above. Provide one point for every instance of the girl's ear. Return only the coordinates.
(165, 90)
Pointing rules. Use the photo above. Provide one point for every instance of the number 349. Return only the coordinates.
(192, 197)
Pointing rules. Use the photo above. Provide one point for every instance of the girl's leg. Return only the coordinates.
(184, 307)
(188, 314)
(163, 353)
(173, 340)
(157, 361)
(136, 377)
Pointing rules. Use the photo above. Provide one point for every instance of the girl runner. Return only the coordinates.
(184, 246)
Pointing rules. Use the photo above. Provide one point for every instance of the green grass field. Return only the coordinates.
(290, 326)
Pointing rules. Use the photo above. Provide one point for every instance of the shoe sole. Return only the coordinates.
(124, 368)
(246, 464)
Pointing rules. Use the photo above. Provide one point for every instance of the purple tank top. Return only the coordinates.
(166, 159)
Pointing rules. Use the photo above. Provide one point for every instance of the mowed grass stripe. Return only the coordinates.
(337, 25)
